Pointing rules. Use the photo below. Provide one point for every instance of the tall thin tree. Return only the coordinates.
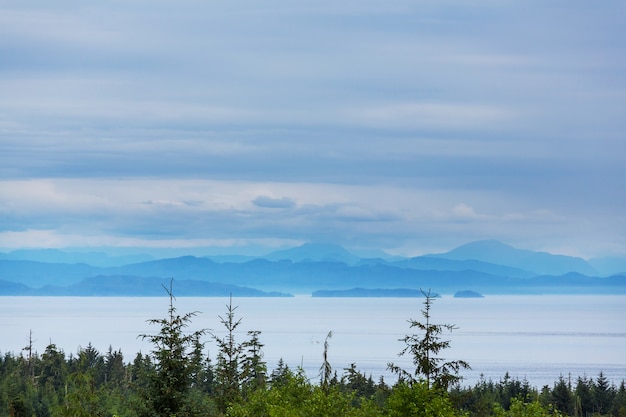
(425, 348)
(174, 360)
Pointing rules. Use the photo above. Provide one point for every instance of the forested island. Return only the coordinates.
(177, 378)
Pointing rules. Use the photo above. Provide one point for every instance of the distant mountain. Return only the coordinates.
(313, 267)
(443, 264)
(100, 259)
(184, 267)
(376, 254)
(609, 265)
(315, 252)
(38, 274)
(129, 286)
(12, 288)
(500, 253)
(231, 258)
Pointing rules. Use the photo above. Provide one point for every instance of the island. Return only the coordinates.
(468, 294)
(376, 292)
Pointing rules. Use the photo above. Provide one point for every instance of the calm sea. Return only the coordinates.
(536, 338)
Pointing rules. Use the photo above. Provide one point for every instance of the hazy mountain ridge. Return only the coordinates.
(99, 259)
(493, 251)
(39, 274)
(317, 266)
(310, 252)
(133, 286)
(443, 264)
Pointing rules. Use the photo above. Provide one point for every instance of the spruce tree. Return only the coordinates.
(562, 396)
(603, 394)
(174, 362)
(240, 368)
(253, 367)
(424, 347)
(229, 356)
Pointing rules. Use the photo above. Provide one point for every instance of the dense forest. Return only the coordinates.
(177, 378)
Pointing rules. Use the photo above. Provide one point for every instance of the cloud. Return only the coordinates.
(396, 125)
(273, 203)
(186, 213)
(464, 211)
(426, 115)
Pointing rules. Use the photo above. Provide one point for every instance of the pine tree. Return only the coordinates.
(174, 361)
(603, 394)
(618, 408)
(584, 396)
(280, 374)
(562, 396)
(253, 367)
(424, 347)
(240, 368)
(326, 369)
(227, 374)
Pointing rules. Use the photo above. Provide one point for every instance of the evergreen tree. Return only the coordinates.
(227, 372)
(602, 394)
(239, 369)
(168, 391)
(424, 348)
(89, 361)
(253, 367)
(53, 369)
(280, 374)
(357, 382)
(326, 370)
(114, 371)
(81, 397)
(583, 404)
(618, 408)
(562, 396)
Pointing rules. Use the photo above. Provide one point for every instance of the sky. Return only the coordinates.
(405, 126)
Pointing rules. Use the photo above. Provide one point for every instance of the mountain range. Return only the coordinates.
(488, 267)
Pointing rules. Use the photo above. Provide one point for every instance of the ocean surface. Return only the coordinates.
(533, 338)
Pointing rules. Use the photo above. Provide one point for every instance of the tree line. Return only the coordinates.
(177, 378)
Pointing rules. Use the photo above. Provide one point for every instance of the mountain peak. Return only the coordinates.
(494, 251)
(480, 247)
(315, 251)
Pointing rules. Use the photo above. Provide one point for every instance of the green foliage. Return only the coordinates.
(240, 369)
(519, 408)
(81, 398)
(618, 407)
(562, 396)
(424, 348)
(295, 396)
(357, 383)
(253, 367)
(418, 399)
(175, 363)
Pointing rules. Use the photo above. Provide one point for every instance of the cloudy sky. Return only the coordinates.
(407, 126)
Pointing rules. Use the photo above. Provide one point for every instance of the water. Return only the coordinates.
(536, 338)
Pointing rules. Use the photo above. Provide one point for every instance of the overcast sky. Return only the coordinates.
(407, 126)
